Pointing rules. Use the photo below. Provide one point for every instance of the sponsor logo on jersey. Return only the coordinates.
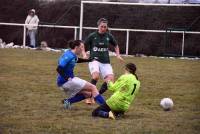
(100, 49)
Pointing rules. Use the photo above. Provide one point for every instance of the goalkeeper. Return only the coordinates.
(125, 90)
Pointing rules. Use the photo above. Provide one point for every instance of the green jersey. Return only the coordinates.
(98, 45)
(125, 90)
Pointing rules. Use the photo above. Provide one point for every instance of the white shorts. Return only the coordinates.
(73, 86)
(103, 69)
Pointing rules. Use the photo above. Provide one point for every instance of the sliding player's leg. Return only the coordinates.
(95, 94)
(103, 111)
(73, 89)
(78, 89)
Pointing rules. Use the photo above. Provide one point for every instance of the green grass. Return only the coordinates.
(30, 100)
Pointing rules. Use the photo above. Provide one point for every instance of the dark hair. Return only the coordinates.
(131, 68)
(73, 43)
(102, 20)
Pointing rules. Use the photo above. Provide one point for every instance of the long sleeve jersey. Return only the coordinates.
(125, 90)
(67, 61)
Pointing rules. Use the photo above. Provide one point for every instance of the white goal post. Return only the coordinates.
(135, 30)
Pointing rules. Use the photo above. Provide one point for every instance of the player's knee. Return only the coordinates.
(93, 87)
(88, 95)
(94, 91)
(95, 76)
(109, 77)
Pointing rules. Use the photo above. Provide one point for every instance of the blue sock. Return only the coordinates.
(99, 99)
(103, 114)
(76, 98)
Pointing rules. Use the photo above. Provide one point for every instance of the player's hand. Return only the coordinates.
(84, 55)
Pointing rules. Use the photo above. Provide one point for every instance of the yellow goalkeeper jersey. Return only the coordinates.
(125, 90)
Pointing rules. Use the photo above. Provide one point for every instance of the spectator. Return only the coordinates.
(33, 20)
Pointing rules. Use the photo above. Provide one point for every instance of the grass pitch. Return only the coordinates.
(30, 101)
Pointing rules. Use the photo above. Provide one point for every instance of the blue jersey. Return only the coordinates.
(67, 61)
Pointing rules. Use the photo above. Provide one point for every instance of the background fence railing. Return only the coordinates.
(183, 32)
(76, 28)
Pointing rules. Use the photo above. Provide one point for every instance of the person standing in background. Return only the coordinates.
(33, 20)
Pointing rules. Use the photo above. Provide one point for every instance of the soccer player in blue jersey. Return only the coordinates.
(77, 89)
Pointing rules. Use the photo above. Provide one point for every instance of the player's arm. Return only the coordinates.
(87, 45)
(117, 85)
(87, 41)
(81, 60)
(61, 67)
(117, 51)
(60, 70)
(84, 54)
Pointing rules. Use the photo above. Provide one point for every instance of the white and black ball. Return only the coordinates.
(167, 104)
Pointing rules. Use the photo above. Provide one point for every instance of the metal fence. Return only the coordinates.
(81, 27)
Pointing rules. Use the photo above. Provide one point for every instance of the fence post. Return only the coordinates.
(81, 21)
(24, 36)
(127, 41)
(75, 33)
(183, 44)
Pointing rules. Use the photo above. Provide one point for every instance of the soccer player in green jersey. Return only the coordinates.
(125, 90)
(98, 43)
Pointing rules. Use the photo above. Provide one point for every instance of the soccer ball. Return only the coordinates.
(166, 104)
